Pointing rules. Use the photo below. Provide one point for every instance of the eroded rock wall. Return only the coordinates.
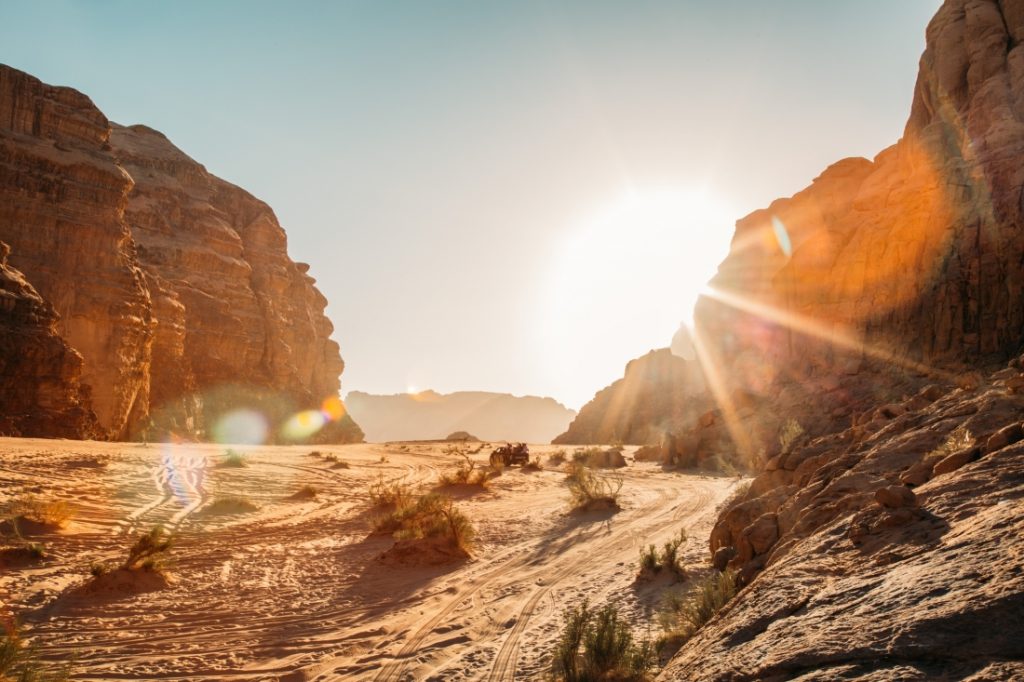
(174, 286)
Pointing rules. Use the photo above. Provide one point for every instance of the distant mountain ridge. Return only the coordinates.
(430, 415)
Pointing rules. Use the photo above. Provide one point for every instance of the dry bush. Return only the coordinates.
(431, 516)
(306, 492)
(467, 473)
(958, 439)
(598, 645)
(316, 453)
(389, 493)
(46, 512)
(340, 464)
(599, 458)
(589, 491)
(532, 465)
(18, 661)
(557, 457)
(684, 614)
(738, 496)
(233, 459)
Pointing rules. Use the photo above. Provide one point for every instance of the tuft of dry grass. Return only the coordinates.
(393, 494)
(431, 516)
(557, 457)
(149, 552)
(306, 492)
(532, 465)
(652, 562)
(47, 512)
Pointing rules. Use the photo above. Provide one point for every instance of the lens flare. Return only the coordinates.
(242, 426)
(782, 236)
(304, 424)
(333, 408)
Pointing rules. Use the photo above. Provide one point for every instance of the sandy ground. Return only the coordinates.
(294, 590)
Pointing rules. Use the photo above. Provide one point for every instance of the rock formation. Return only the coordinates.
(173, 285)
(429, 415)
(41, 386)
(876, 308)
(652, 399)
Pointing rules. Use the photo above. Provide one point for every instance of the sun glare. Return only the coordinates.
(627, 275)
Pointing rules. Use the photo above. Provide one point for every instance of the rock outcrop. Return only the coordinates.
(877, 307)
(653, 398)
(429, 415)
(174, 286)
(40, 375)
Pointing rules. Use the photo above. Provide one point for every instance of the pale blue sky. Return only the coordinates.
(430, 160)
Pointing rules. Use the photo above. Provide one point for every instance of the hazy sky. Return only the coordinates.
(509, 196)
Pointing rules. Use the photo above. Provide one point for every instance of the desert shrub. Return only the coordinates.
(306, 492)
(340, 464)
(389, 493)
(789, 434)
(231, 504)
(49, 512)
(316, 453)
(738, 495)
(431, 516)
(532, 465)
(18, 662)
(684, 614)
(149, 551)
(557, 457)
(599, 458)
(466, 474)
(598, 645)
(653, 562)
(588, 490)
(233, 459)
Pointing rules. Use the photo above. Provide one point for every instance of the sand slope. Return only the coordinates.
(293, 590)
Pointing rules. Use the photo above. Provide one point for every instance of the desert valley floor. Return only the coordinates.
(293, 590)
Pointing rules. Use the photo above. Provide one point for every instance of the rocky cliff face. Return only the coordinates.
(41, 386)
(885, 543)
(173, 285)
(429, 415)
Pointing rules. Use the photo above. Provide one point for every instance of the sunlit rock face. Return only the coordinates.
(860, 540)
(41, 386)
(173, 285)
(62, 199)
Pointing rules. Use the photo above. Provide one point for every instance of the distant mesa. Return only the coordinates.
(429, 415)
(462, 436)
(144, 297)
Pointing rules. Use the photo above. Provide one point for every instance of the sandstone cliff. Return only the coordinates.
(174, 286)
(41, 386)
(429, 415)
(885, 544)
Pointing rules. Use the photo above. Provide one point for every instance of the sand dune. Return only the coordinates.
(294, 590)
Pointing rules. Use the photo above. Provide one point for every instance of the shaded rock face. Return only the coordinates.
(653, 398)
(173, 285)
(40, 375)
(62, 199)
(434, 416)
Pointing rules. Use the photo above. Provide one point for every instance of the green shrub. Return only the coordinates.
(684, 614)
(149, 551)
(233, 460)
(651, 562)
(598, 645)
(649, 559)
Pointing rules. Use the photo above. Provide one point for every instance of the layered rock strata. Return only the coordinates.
(174, 286)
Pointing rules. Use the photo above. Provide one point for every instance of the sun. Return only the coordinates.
(628, 273)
